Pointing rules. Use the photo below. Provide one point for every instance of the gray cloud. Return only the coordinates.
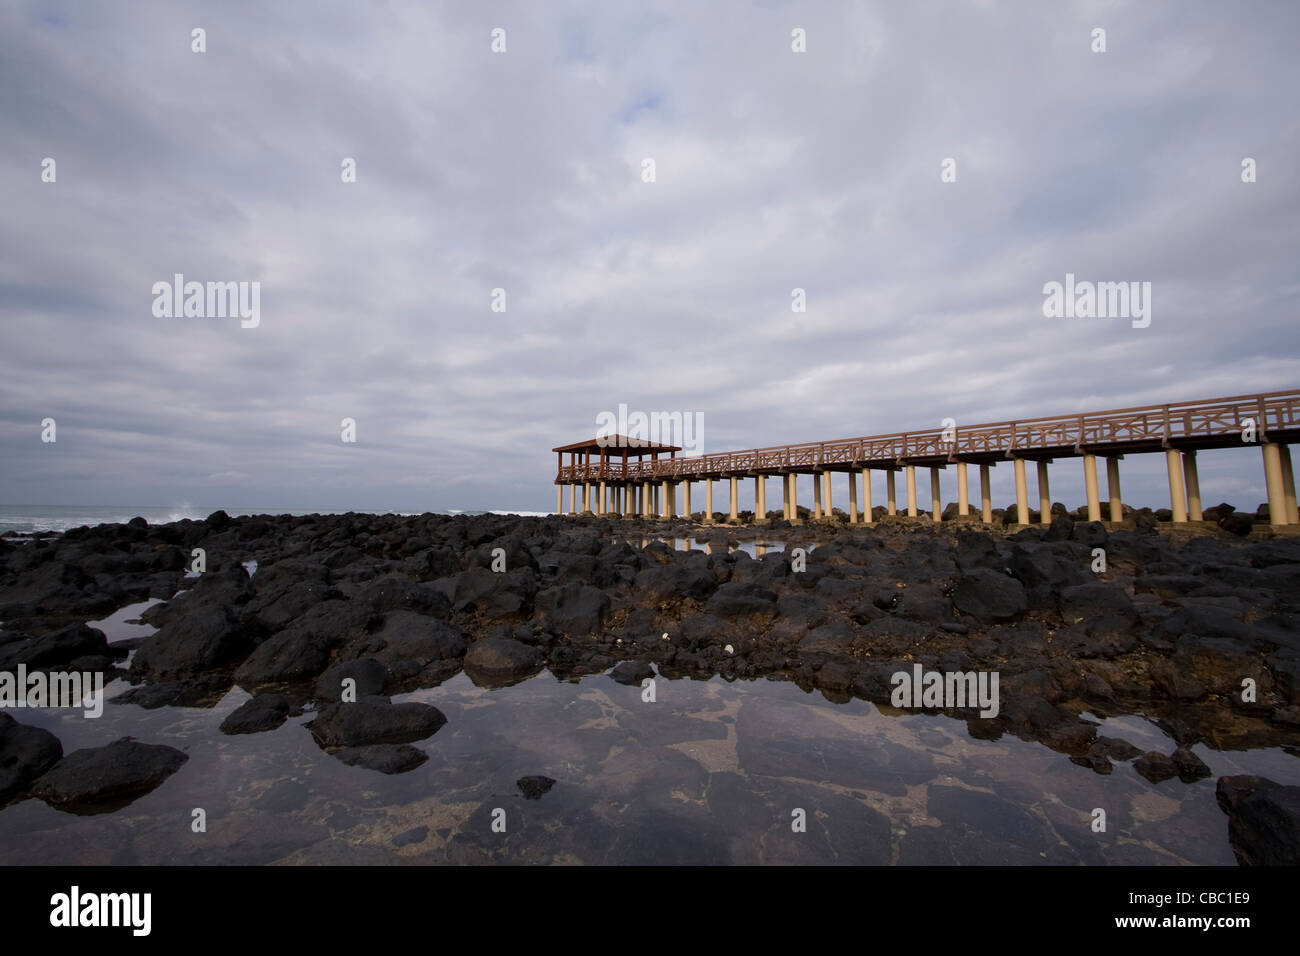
(521, 171)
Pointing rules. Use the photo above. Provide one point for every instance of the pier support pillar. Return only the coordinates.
(1022, 494)
(853, 496)
(986, 496)
(1193, 482)
(911, 491)
(1275, 482)
(794, 497)
(785, 497)
(628, 495)
(1288, 485)
(760, 499)
(891, 496)
(734, 515)
(1112, 485)
(1177, 494)
(867, 516)
(817, 496)
(1044, 495)
(666, 500)
(1090, 487)
(963, 490)
(686, 500)
(708, 501)
(936, 496)
(826, 493)
(602, 503)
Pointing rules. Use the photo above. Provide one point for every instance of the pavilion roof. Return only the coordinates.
(616, 443)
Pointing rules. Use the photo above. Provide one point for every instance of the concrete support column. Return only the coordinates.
(657, 507)
(628, 494)
(1275, 482)
(817, 496)
(686, 500)
(1022, 494)
(1288, 485)
(559, 499)
(1193, 482)
(986, 496)
(794, 496)
(602, 501)
(867, 516)
(936, 495)
(891, 497)
(1177, 495)
(666, 500)
(760, 499)
(826, 493)
(573, 498)
(853, 497)
(785, 497)
(1090, 487)
(586, 497)
(963, 490)
(1044, 495)
(734, 515)
(708, 501)
(911, 491)
(1112, 484)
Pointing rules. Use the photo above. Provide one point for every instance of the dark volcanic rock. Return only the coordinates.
(202, 692)
(497, 659)
(386, 758)
(1190, 767)
(631, 672)
(1263, 820)
(742, 600)
(25, 754)
(99, 779)
(374, 720)
(296, 654)
(369, 676)
(1156, 767)
(54, 649)
(407, 636)
(989, 596)
(534, 787)
(205, 638)
(263, 712)
(573, 609)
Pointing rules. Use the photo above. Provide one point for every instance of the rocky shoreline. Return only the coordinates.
(345, 611)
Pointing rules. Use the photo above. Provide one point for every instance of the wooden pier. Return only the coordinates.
(634, 478)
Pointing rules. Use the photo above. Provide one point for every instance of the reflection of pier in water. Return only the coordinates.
(616, 479)
(755, 549)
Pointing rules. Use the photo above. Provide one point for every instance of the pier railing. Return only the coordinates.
(1209, 423)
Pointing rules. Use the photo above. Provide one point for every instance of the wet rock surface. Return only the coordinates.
(25, 754)
(1176, 627)
(101, 779)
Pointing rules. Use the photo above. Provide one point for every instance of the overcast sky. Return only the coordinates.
(522, 170)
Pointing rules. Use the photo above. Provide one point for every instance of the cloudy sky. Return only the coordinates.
(523, 170)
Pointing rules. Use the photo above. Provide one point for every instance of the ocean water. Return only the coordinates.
(29, 518)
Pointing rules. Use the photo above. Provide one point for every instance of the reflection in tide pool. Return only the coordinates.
(755, 549)
(711, 772)
(124, 623)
